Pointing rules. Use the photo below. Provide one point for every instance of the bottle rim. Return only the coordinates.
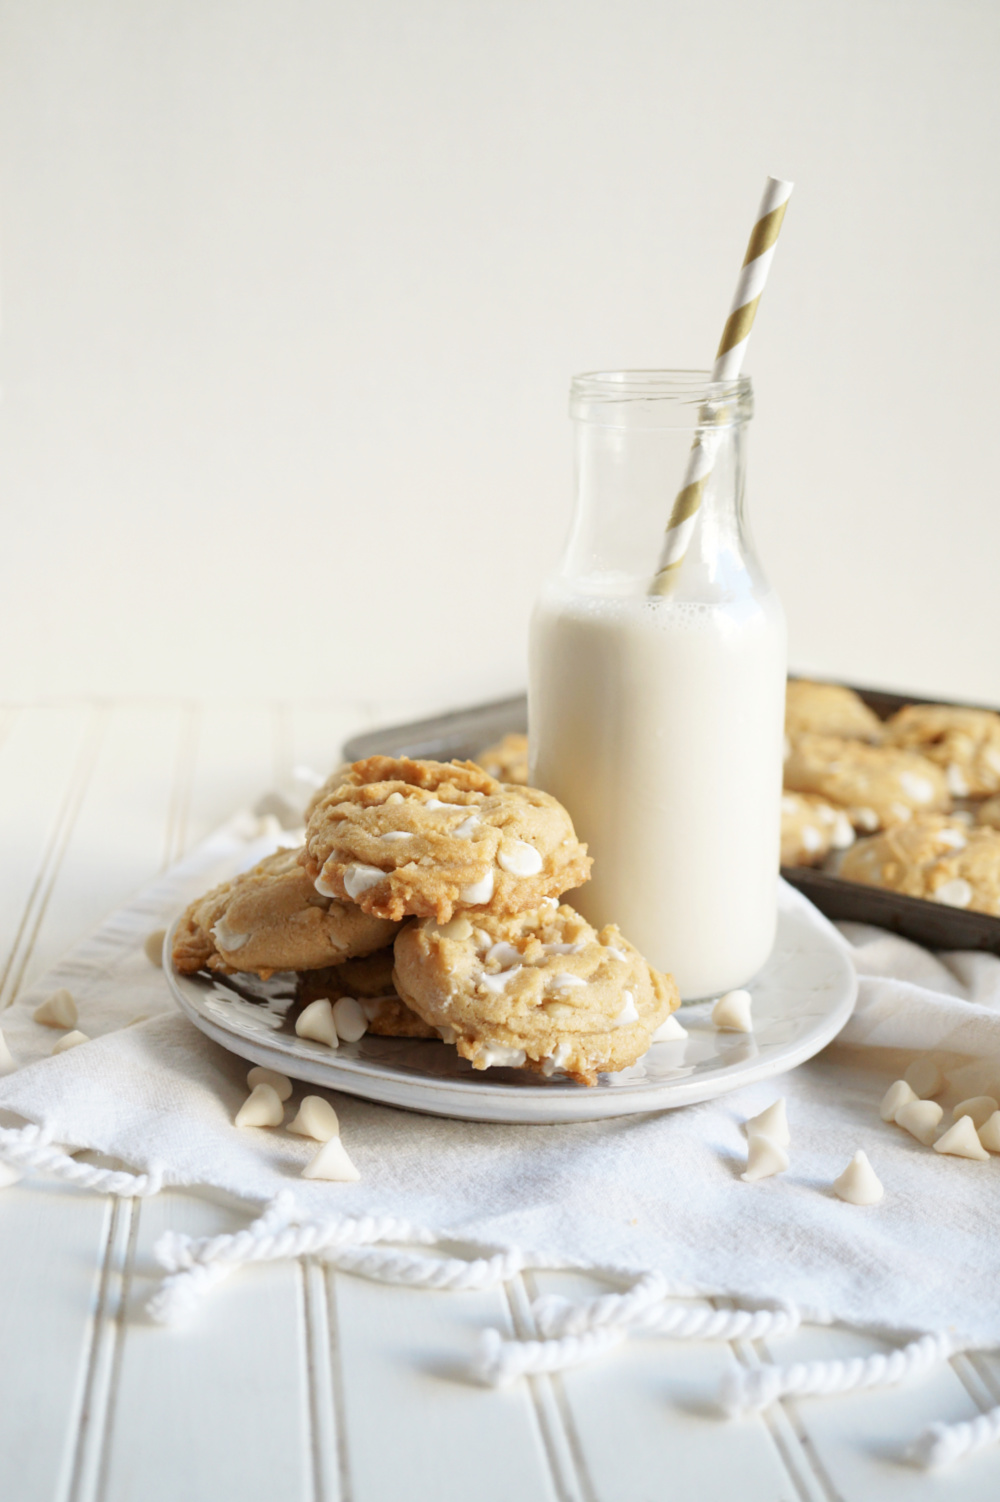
(659, 398)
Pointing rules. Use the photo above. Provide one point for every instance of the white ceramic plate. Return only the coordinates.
(801, 1000)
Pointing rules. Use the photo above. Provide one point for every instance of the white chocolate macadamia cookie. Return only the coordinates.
(932, 857)
(540, 990)
(810, 828)
(507, 761)
(877, 786)
(272, 918)
(429, 838)
(828, 709)
(965, 742)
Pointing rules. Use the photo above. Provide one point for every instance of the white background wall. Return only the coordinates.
(292, 291)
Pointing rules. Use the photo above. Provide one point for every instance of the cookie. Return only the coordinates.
(828, 709)
(989, 813)
(932, 857)
(272, 918)
(811, 828)
(964, 742)
(507, 761)
(539, 990)
(431, 838)
(877, 786)
(369, 981)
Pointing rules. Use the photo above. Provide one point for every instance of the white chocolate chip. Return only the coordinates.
(316, 1118)
(866, 818)
(332, 1163)
(557, 1059)
(812, 840)
(494, 984)
(519, 858)
(316, 1021)
(477, 892)
(898, 1094)
(349, 1019)
(920, 789)
(954, 893)
(764, 1158)
(979, 1107)
(989, 1133)
(57, 1010)
(457, 928)
(70, 1040)
(395, 798)
(262, 1108)
(629, 1012)
(227, 938)
(153, 946)
(957, 785)
(279, 1083)
(858, 1184)
(396, 834)
(843, 832)
(504, 954)
(962, 1141)
(360, 878)
(323, 887)
(924, 1076)
(732, 1012)
(952, 839)
(565, 948)
(617, 954)
(562, 982)
(921, 1118)
(668, 1030)
(772, 1122)
(495, 1056)
(7, 1061)
(467, 828)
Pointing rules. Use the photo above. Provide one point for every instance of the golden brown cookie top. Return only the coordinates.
(878, 786)
(828, 709)
(507, 761)
(810, 828)
(539, 988)
(272, 918)
(965, 742)
(430, 838)
(932, 857)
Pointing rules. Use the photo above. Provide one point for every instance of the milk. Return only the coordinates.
(658, 723)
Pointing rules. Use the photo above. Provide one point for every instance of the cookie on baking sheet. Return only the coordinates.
(877, 786)
(965, 742)
(989, 813)
(932, 857)
(539, 990)
(431, 838)
(828, 709)
(369, 981)
(811, 828)
(507, 761)
(272, 918)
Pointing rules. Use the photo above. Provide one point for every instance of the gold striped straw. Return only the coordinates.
(728, 362)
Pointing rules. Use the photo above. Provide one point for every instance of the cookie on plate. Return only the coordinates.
(828, 709)
(272, 918)
(507, 761)
(810, 828)
(932, 857)
(369, 981)
(539, 990)
(431, 838)
(877, 786)
(965, 742)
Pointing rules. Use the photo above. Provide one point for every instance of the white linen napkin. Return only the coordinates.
(661, 1191)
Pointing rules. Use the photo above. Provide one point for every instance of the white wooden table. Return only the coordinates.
(298, 1383)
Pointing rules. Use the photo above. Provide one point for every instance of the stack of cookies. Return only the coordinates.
(429, 893)
(924, 786)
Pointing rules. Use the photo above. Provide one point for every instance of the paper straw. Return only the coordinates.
(728, 363)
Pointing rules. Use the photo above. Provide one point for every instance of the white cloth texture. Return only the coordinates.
(658, 1192)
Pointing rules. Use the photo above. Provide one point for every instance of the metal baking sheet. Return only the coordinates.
(465, 732)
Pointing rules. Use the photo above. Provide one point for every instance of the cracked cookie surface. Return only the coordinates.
(541, 990)
(272, 918)
(425, 838)
(932, 857)
(877, 786)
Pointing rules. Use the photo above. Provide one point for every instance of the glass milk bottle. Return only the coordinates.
(657, 719)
